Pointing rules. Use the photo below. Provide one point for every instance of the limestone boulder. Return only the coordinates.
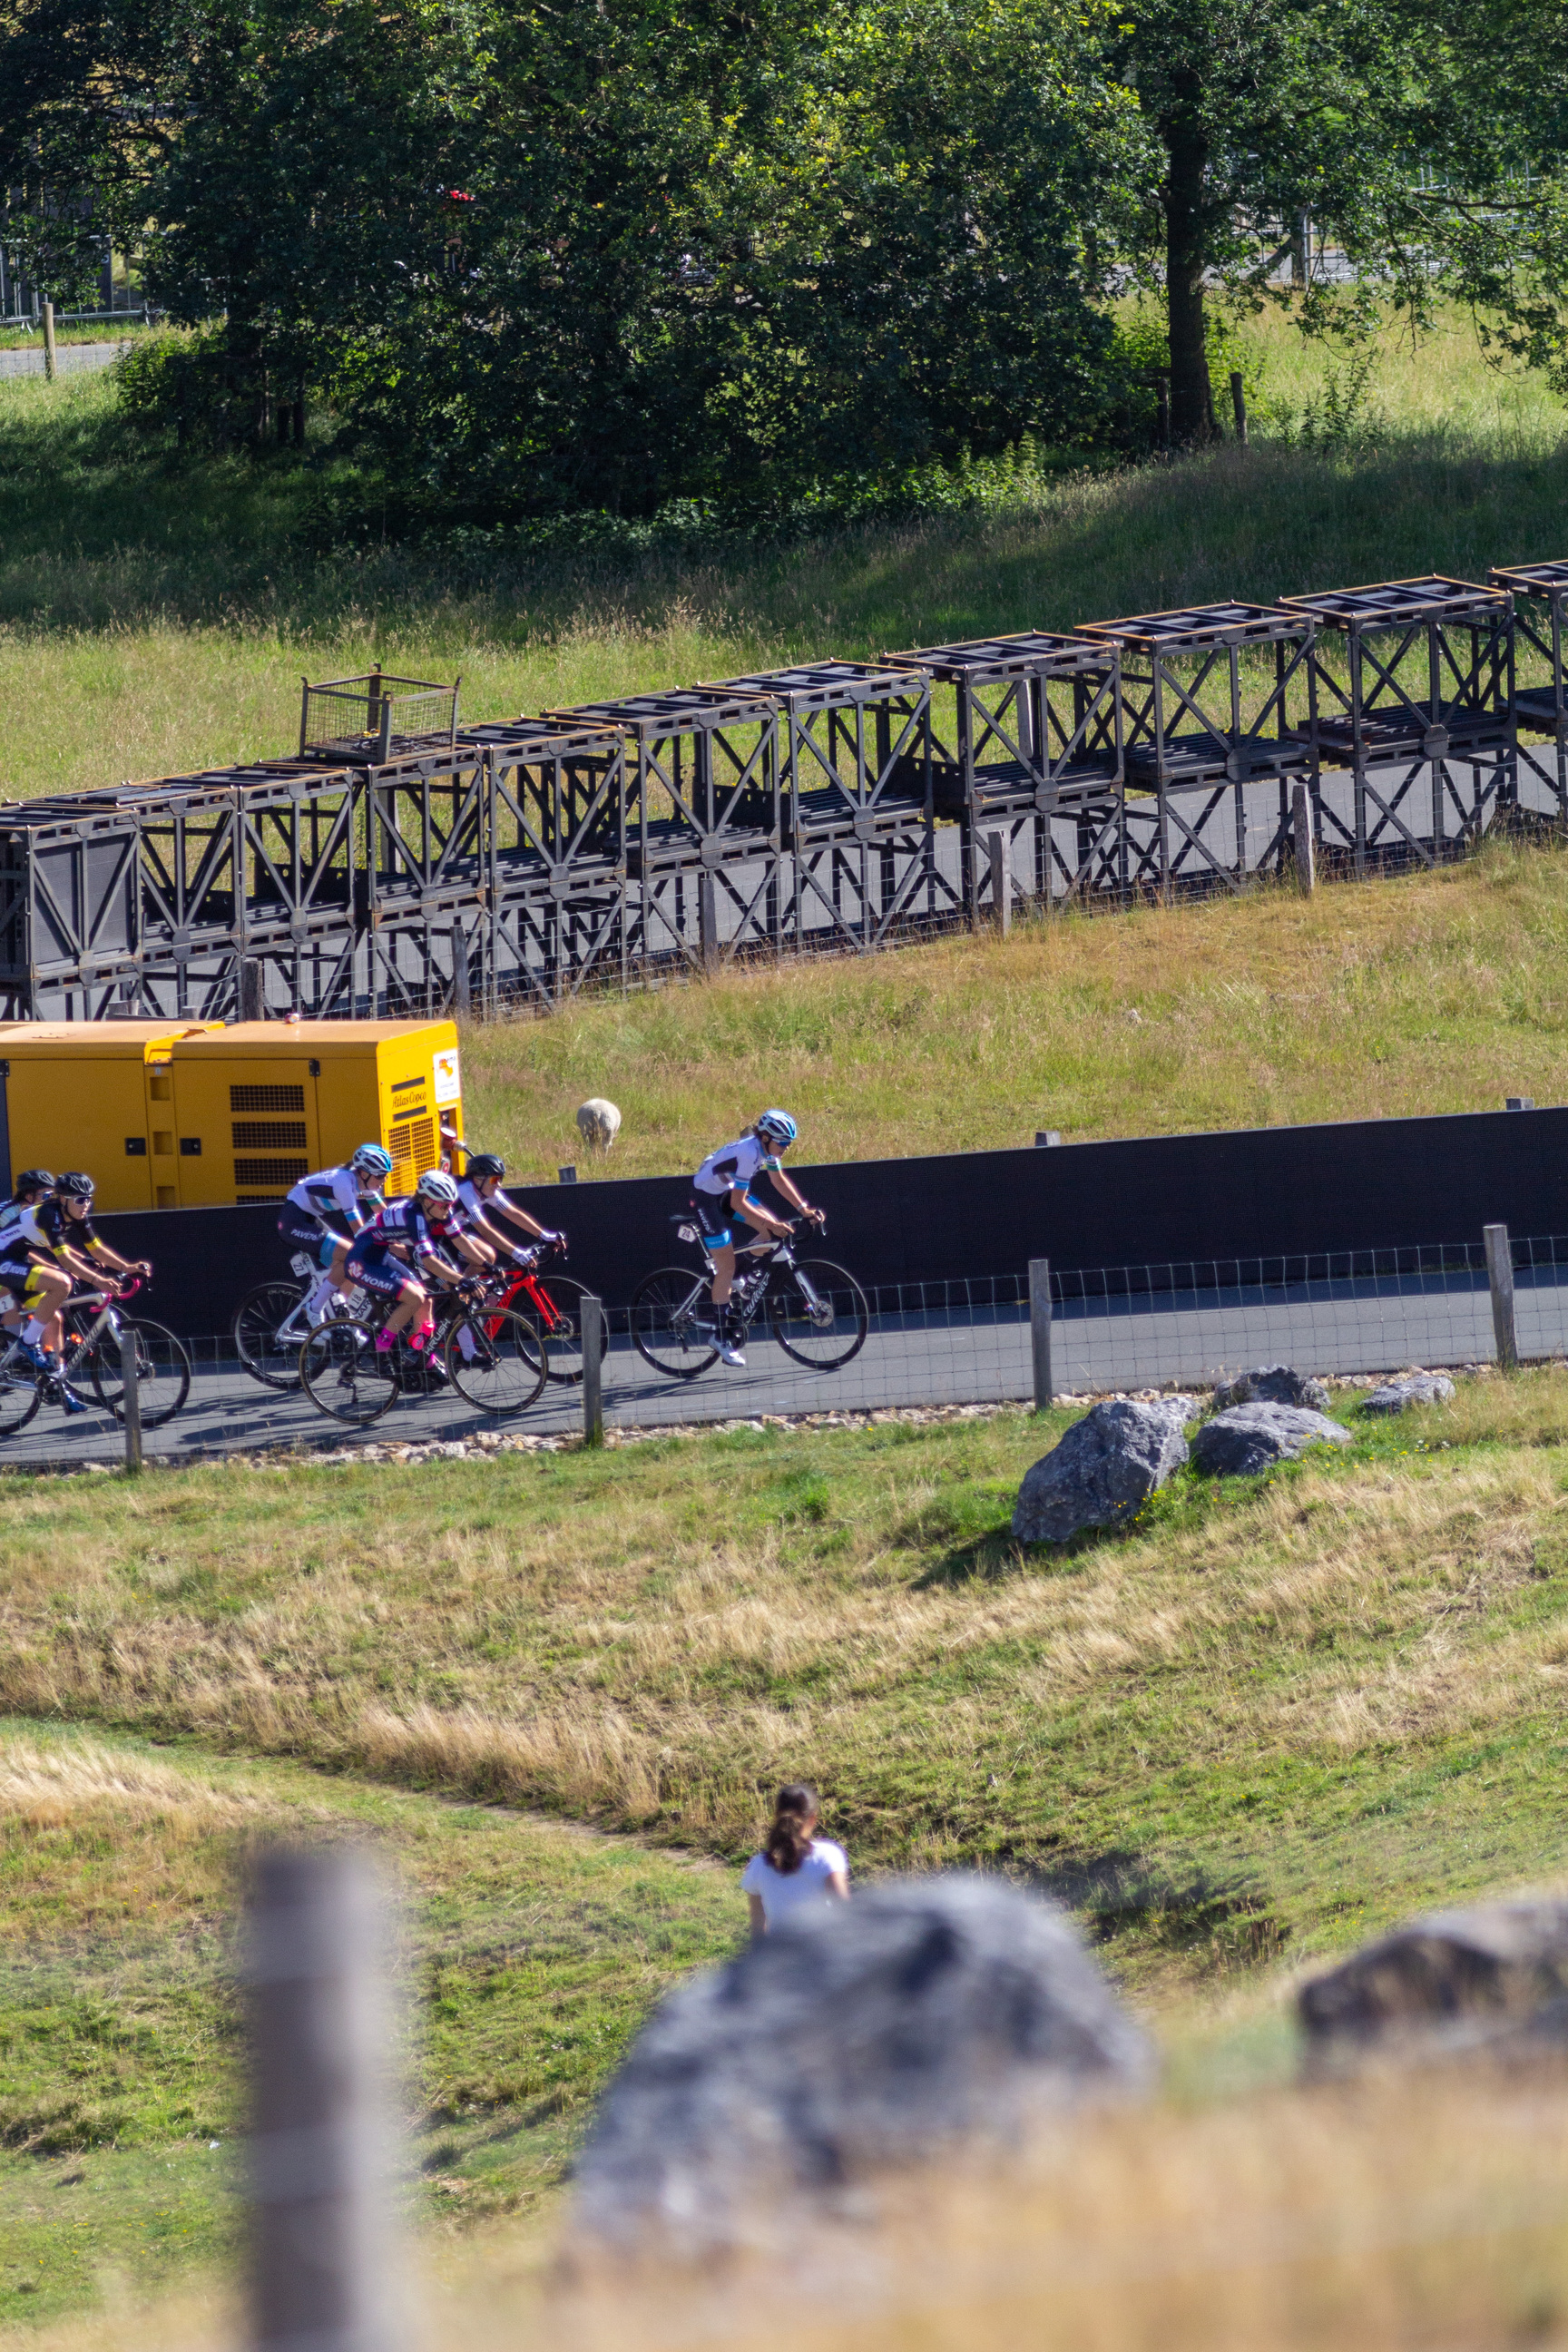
(1412, 1388)
(1104, 1469)
(1272, 1384)
(923, 2017)
(1252, 1437)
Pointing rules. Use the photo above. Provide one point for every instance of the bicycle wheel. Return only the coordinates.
(162, 1370)
(818, 1314)
(20, 1394)
(497, 1361)
(343, 1374)
(563, 1337)
(257, 1319)
(669, 1309)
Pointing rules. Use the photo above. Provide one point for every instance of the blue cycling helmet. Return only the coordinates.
(372, 1159)
(778, 1127)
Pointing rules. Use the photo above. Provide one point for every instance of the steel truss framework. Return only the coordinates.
(832, 806)
(1421, 712)
(853, 755)
(1211, 748)
(1540, 592)
(1032, 733)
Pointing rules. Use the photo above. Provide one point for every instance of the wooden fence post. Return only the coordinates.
(1001, 884)
(320, 2240)
(1040, 1330)
(593, 1327)
(1499, 1276)
(1301, 833)
(1239, 404)
(51, 358)
(131, 1400)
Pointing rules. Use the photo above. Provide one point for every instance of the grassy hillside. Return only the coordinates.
(1270, 1718)
(153, 619)
(1437, 992)
(531, 1951)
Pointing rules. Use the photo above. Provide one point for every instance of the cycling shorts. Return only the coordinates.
(719, 1223)
(313, 1233)
(20, 1278)
(377, 1271)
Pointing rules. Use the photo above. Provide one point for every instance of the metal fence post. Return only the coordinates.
(593, 1326)
(1040, 1330)
(319, 2242)
(1301, 830)
(131, 1398)
(1500, 1274)
(1001, 884)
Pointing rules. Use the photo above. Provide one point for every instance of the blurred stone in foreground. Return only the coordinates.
(1451, 1980)
(924, 2016)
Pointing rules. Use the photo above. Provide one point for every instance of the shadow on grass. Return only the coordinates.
(1224, 1921)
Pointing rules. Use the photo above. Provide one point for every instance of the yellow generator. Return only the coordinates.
(181, 1118)
(94, 1094)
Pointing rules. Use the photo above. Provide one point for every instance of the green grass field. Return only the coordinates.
(153, 620)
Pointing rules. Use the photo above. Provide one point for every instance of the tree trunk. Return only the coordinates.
(1191, 396)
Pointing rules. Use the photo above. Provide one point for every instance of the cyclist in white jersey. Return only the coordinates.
(24, 1281)
(732, 1218)
(324, 1212)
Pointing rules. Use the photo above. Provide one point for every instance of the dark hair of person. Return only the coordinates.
(789, 1838)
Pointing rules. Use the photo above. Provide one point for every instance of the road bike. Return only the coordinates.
(815, 1311)
(494, 1358)
(553, 1302)
(270, 1324)
(100, 1344)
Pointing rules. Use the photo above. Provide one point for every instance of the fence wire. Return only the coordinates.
(930, 1344)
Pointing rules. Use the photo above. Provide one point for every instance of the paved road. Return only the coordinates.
(982, 1357)
(73, 358)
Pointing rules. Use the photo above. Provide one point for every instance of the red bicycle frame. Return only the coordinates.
(526, 1284)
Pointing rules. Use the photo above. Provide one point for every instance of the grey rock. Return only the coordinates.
(1272, 1384)
(1415, 1387)
(1451, 1980)
(924, 2015)
(1254, 1436)
(1106, 1466)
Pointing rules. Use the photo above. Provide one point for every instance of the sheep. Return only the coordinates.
(599, 1123)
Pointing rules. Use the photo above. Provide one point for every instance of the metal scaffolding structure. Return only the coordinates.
(402, 864)
(1414, 689)
(1216, 700)
(1026, 737)
(1540, 592)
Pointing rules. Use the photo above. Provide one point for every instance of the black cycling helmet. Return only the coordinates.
(74, 1186)
(483, 1166)
(33, 1180)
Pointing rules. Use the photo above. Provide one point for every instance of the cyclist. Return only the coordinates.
(402, 1241)
(730, 1218)
(60, 1229)
(317, 1210)
(25, 1279)
(489, 1210)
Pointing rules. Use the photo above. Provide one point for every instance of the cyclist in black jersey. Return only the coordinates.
(63, 1243)
(23, 1279)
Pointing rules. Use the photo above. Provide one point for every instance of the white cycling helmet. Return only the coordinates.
(778, 1127)
(436, 1185)
(372, 1159)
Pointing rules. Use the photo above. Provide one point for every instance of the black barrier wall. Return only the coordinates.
(1253, 1192)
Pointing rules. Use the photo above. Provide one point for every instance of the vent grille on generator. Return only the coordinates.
(270, 1135)
(412, 1148)
(278, 1172)
(264, 1098)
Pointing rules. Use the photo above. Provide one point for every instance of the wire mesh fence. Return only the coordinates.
(1362, 1312)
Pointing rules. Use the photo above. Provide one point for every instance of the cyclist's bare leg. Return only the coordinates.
(413, 1307)
(50, 1287)
(723, 1272)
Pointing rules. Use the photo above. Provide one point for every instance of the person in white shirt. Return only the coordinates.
(796, 1870)
(731, 1217)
